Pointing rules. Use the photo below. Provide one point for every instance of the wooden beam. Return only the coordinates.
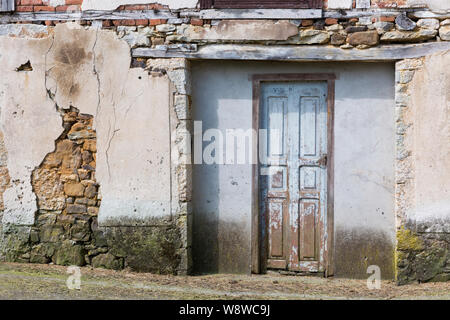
(358, 13)
(87, 15)
(254, 14)
(295, 53)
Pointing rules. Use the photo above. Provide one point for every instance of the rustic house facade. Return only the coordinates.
(120, 120)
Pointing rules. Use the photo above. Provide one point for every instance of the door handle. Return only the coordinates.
(323, 161)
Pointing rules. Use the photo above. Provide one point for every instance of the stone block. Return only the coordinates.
(107, 261)
(69, 253)
(241, 30)
(404, 23)
(311, 36)
(337, 39)
(76, 208)
(409, 36)
(444, 33)
(428, 23)
(368, 38)
(74, 189)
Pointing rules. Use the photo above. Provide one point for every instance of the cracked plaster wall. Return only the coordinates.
(89, 70)
(423, 137)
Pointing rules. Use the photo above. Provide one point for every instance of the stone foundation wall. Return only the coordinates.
(66, 231)
(422, 255)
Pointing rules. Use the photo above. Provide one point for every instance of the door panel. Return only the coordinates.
(294, 176)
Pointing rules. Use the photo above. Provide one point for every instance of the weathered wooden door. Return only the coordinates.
(293, 176)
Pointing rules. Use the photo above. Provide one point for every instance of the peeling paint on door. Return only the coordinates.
(293, 195)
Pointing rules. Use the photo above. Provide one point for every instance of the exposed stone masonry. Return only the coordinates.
(422, 256)
(346, 34)
(66, 231)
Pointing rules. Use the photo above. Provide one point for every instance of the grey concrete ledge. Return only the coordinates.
(295, 53)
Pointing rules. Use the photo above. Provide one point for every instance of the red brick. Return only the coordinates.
(197, 22)
(154, 22)
(124, 22)
(61, 8)
(24, 9)
(136, 7)
(128, 23)
(331, 21)
(71, 2)
(387, 19)
(141, 22)
(43, 8)
(307, 23)
(30, 2)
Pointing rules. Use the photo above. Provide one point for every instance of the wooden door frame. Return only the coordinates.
(257, 79)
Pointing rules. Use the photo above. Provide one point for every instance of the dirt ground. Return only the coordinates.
(26, 281)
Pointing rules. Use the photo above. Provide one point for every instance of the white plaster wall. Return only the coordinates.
(222, 193)
(430, 105)
(28, 121)
(113, 4)
(364, 153)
